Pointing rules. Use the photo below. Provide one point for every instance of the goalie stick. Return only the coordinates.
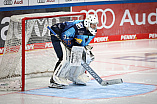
(98, 79)
(91, 71)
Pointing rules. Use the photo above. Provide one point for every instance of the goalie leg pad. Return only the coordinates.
(78, 76)
(62, 69)
(59, 75)
(82, 79)
(60, 80)
(77, 72)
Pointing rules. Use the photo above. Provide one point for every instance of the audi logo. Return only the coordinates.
(103, 16)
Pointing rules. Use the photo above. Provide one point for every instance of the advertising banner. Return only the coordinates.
(70, 1)
(12, 3)
(42, 2)
(127, 20)
(97, 0)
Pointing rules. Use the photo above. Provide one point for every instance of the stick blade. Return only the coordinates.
(111, 82)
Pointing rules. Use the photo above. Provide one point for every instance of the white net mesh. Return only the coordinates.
(40, 57)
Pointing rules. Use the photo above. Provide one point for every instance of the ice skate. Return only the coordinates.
(55, 85)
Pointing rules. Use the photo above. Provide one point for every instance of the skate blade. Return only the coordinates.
(56, 87)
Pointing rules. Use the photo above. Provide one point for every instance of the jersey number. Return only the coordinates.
(68, 42)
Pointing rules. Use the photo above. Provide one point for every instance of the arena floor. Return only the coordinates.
(134, 61)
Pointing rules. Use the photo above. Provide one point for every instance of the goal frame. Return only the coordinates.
(23, 20)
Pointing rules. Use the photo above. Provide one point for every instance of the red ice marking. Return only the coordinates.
(147, 68)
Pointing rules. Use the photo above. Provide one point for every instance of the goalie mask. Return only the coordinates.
(91, 23)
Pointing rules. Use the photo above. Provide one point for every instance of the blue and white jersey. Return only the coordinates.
(75, 33)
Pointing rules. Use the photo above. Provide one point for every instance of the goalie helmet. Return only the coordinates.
(91, 19)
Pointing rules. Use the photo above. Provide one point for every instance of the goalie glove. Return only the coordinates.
(83, 40)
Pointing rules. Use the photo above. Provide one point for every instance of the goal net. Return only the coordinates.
(28, 51)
